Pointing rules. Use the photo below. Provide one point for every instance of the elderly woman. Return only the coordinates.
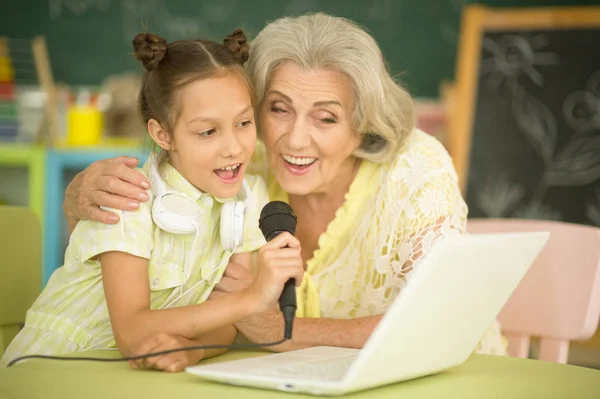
(371, 192)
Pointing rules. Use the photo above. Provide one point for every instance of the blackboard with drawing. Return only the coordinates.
(91, 39)
(533, 146)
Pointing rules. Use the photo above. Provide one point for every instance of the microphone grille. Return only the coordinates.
(277, 216)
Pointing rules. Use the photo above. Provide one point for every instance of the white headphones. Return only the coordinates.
(177, 213)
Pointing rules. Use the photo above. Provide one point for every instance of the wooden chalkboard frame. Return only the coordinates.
(477, 20)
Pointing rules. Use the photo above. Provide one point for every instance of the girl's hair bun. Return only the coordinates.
(237, 44)
(150, 49)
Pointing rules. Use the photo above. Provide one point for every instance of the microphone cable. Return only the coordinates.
(147, 355)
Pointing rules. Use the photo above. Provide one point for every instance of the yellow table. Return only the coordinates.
(480, 377)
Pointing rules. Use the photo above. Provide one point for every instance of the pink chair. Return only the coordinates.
(558, 300)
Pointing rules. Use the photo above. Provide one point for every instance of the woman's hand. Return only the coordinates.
(278, 261)
(111, 183)
(264, 327)
(237, 277)
(172, 362)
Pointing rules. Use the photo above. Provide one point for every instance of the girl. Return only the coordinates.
(136, 285)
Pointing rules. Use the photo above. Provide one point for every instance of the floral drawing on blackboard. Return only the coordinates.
(498, 196)
(582, 108)
(515, 56)
(574, 163)
(537, 123)
(577, 164)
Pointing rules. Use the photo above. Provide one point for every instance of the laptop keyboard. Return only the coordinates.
(330, 369)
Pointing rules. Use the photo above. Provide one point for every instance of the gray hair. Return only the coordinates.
(383, 116)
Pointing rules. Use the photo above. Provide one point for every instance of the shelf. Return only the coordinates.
(58, 160)
(75, 158)
(15, 154)
(47, 183)
(31, 157)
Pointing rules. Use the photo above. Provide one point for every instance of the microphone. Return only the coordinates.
(275, 218)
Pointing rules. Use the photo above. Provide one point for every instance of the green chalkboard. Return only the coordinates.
(90, 39)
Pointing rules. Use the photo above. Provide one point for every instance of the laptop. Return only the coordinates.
(449, 301)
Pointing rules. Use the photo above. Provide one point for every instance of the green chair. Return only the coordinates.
(20, 268)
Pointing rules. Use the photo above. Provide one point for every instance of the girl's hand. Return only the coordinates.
(278, 261)
(172, 362)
